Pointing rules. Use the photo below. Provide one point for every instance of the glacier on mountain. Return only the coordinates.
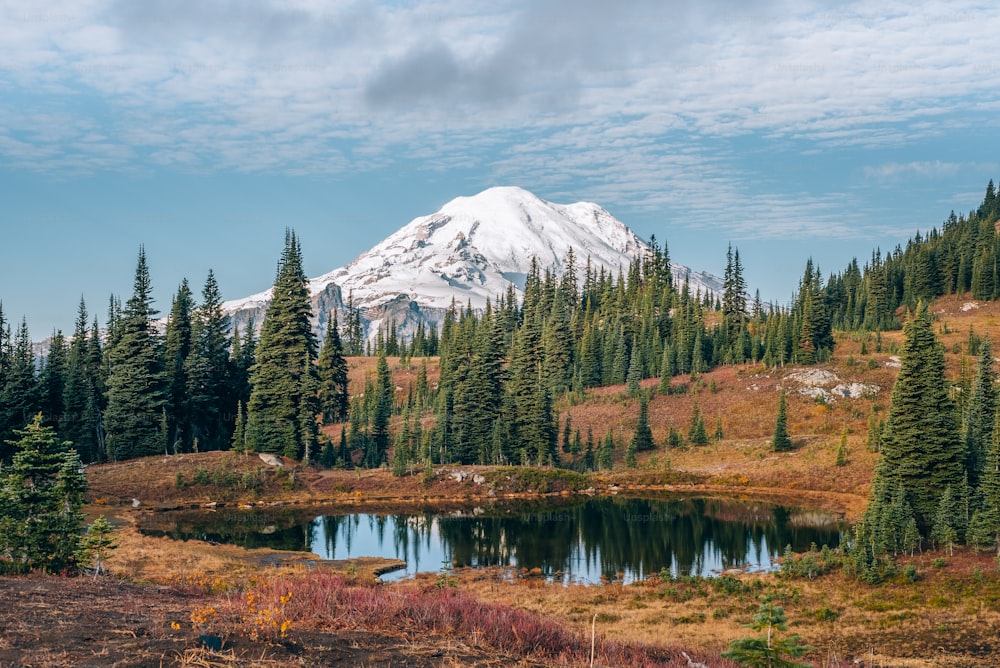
(470, 252)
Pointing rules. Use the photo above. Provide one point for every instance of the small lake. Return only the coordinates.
(584, 541)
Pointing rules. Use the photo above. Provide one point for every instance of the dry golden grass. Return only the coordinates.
(949, 618)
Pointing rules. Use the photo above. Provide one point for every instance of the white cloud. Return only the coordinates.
(899, 170)
(627, 99)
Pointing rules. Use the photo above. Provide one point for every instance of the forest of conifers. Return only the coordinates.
(132, 388)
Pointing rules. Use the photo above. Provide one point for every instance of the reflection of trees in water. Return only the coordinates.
(280, 531)
(609, 535)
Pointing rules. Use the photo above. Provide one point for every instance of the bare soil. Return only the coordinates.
(55, 621)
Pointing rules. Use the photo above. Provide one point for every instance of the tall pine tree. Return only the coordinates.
(136, 388)
(922, 449)
(286, 339)
(334, 399)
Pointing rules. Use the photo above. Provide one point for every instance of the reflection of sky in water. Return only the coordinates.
(420, 541)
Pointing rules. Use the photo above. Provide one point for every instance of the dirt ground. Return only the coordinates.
(54, 621)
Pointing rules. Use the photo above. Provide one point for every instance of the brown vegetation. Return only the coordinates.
(949, 617)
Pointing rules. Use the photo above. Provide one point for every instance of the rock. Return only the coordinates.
(136, 503)
(855, 390)
(813, 377)
(814, 392)
(271, 460)
(458, 476)
(692, 663)
(478, 479)
(211, 504)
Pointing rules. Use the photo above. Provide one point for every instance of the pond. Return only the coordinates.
(592, 540)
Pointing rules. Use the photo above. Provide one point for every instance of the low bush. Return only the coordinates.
(324, 601)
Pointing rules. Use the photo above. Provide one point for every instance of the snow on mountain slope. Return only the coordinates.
(470, 251)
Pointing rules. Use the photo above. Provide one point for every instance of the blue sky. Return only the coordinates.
(203, 128)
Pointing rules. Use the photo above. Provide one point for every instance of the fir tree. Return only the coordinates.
(874, 438)
(177, 347)
(985, 525)
(136, 388)
(41, 493)
(643, 438)
(842, 449)
(52, 380)
(944, 531)
(97, 544)
(239, 441)
(207, 371)
(921, 447)
(979, 415)
(378, 449)
(19, 398)
(781, 441)
(589, 461)
(567, 441)
(696, 433)
(307, 414)
(81, 395)
(332, 369)
(286, 340)
(634, 375)
(630, 459)
(768, 651)
(606, 452)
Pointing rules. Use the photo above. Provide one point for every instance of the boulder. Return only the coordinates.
(271, 460)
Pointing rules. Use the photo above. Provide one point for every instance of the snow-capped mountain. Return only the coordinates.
(470, 252)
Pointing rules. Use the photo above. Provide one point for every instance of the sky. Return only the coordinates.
(201, 129)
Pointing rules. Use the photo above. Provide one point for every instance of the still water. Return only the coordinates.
(584, 541)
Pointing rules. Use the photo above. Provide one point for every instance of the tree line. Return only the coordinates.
(137, 388)
(963, 256)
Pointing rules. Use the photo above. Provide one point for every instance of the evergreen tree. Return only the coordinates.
(643, 438)
(81, 394)
(781, 441)
(332, 369)
(944, 531)
(378, 449)
(136, 388)
(696, 433)
(768, 651)
(19, 398)
(286, 339)
(842, 449)
(308, 412)
(177, 347)
(985, 525)
(921, 447)
(979, 415)
(208, 371)
(97, 544)
(634, 375)
(874, 439)
(52, 380)
(630, 459)
(239, 441)
(41, 493)
(606, 452)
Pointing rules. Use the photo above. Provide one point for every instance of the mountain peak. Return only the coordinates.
(471, 251)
